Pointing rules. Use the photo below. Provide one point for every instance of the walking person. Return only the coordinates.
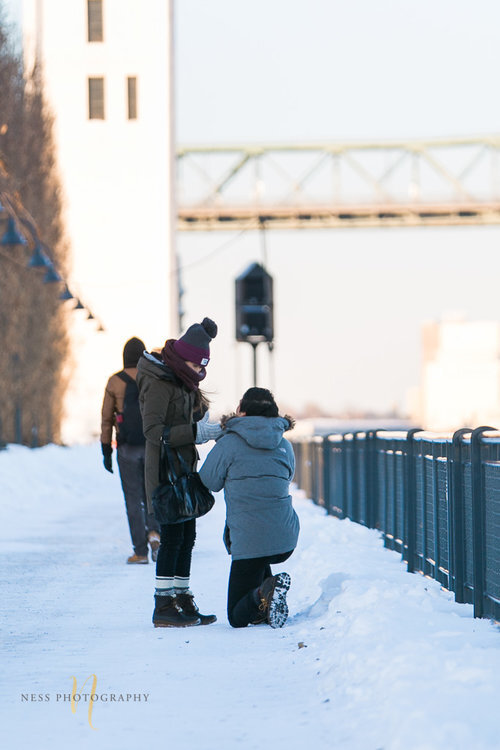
(176, 411)
(255, 464)
(120, 412)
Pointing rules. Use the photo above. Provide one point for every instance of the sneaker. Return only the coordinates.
(137, 560)
(154, 543)
(272, 595)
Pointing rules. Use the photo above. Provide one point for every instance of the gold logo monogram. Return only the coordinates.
(75, 692)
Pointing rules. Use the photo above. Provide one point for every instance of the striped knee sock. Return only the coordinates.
(164, 586)
(181, 585)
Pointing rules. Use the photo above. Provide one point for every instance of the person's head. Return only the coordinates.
(194, 345)
(132, 352)
(194, 366)
(258, 402)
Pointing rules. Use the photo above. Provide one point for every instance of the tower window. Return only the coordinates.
(132, 97)
(95, 26)
(96, 98)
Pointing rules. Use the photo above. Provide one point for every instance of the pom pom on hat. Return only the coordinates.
(194, 345)
(210, 327)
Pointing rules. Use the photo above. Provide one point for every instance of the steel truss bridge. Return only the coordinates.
(435, 182)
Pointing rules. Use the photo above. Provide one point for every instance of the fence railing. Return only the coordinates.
(435, 498)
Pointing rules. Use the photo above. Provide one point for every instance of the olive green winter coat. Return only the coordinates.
(164, 402)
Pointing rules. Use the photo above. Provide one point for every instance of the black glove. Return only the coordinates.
(107, 452)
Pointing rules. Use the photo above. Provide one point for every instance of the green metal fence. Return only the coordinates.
(435, 498)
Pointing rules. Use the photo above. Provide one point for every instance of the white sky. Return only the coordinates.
(348, 303)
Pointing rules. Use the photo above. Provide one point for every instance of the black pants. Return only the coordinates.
(176, 547)
(245, 577)
(140, 522)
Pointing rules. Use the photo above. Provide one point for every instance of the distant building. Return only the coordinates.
(107, 72)
(460, 384)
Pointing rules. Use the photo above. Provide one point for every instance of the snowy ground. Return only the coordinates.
(371, 658)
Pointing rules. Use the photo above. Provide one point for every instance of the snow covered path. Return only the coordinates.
(370, 658)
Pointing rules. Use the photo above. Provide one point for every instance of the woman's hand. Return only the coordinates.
(206, 430)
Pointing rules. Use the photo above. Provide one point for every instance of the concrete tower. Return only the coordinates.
(107, 70)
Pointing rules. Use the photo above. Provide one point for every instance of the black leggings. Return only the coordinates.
(176, 547)
(245, 577)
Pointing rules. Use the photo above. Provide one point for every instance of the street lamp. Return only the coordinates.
(12, 234)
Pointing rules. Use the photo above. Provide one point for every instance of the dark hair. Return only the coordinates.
(259, 402)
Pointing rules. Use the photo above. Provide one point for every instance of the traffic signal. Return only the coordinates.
(254, 305)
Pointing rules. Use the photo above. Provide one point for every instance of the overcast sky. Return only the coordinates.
(350, 302)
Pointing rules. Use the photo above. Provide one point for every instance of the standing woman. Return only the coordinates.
(172, 406)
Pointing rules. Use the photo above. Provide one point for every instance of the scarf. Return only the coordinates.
(189, 377)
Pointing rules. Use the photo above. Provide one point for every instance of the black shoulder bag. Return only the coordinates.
(179, 498)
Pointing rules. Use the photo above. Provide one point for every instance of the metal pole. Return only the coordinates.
(457, 513)
(343, 459)
(254, 347)
(326, 474)
(371, 480)
(355, 489)
(263, 242)
(478, 530)
(410, 506)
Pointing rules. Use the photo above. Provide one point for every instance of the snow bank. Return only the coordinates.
(370, 658)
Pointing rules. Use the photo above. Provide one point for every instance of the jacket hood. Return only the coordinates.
(259, 432)
(150, 365)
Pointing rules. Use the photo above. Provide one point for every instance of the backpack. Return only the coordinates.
(129, 421)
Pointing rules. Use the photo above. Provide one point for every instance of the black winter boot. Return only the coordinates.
(167, 615)
(187, 605)
(272, 595)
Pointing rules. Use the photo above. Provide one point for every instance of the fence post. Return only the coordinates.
(371, 479)
(410, 506)
(343, 455)
(355, 499)
(457, 516)
(435, 510)
(326, 473)
(478, 533)
(316, 474)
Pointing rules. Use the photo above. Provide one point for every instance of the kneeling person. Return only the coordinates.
(255, 464)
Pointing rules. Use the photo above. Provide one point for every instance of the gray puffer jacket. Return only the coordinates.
(254, 464)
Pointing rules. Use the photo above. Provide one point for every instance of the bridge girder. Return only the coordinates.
(433, 182)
